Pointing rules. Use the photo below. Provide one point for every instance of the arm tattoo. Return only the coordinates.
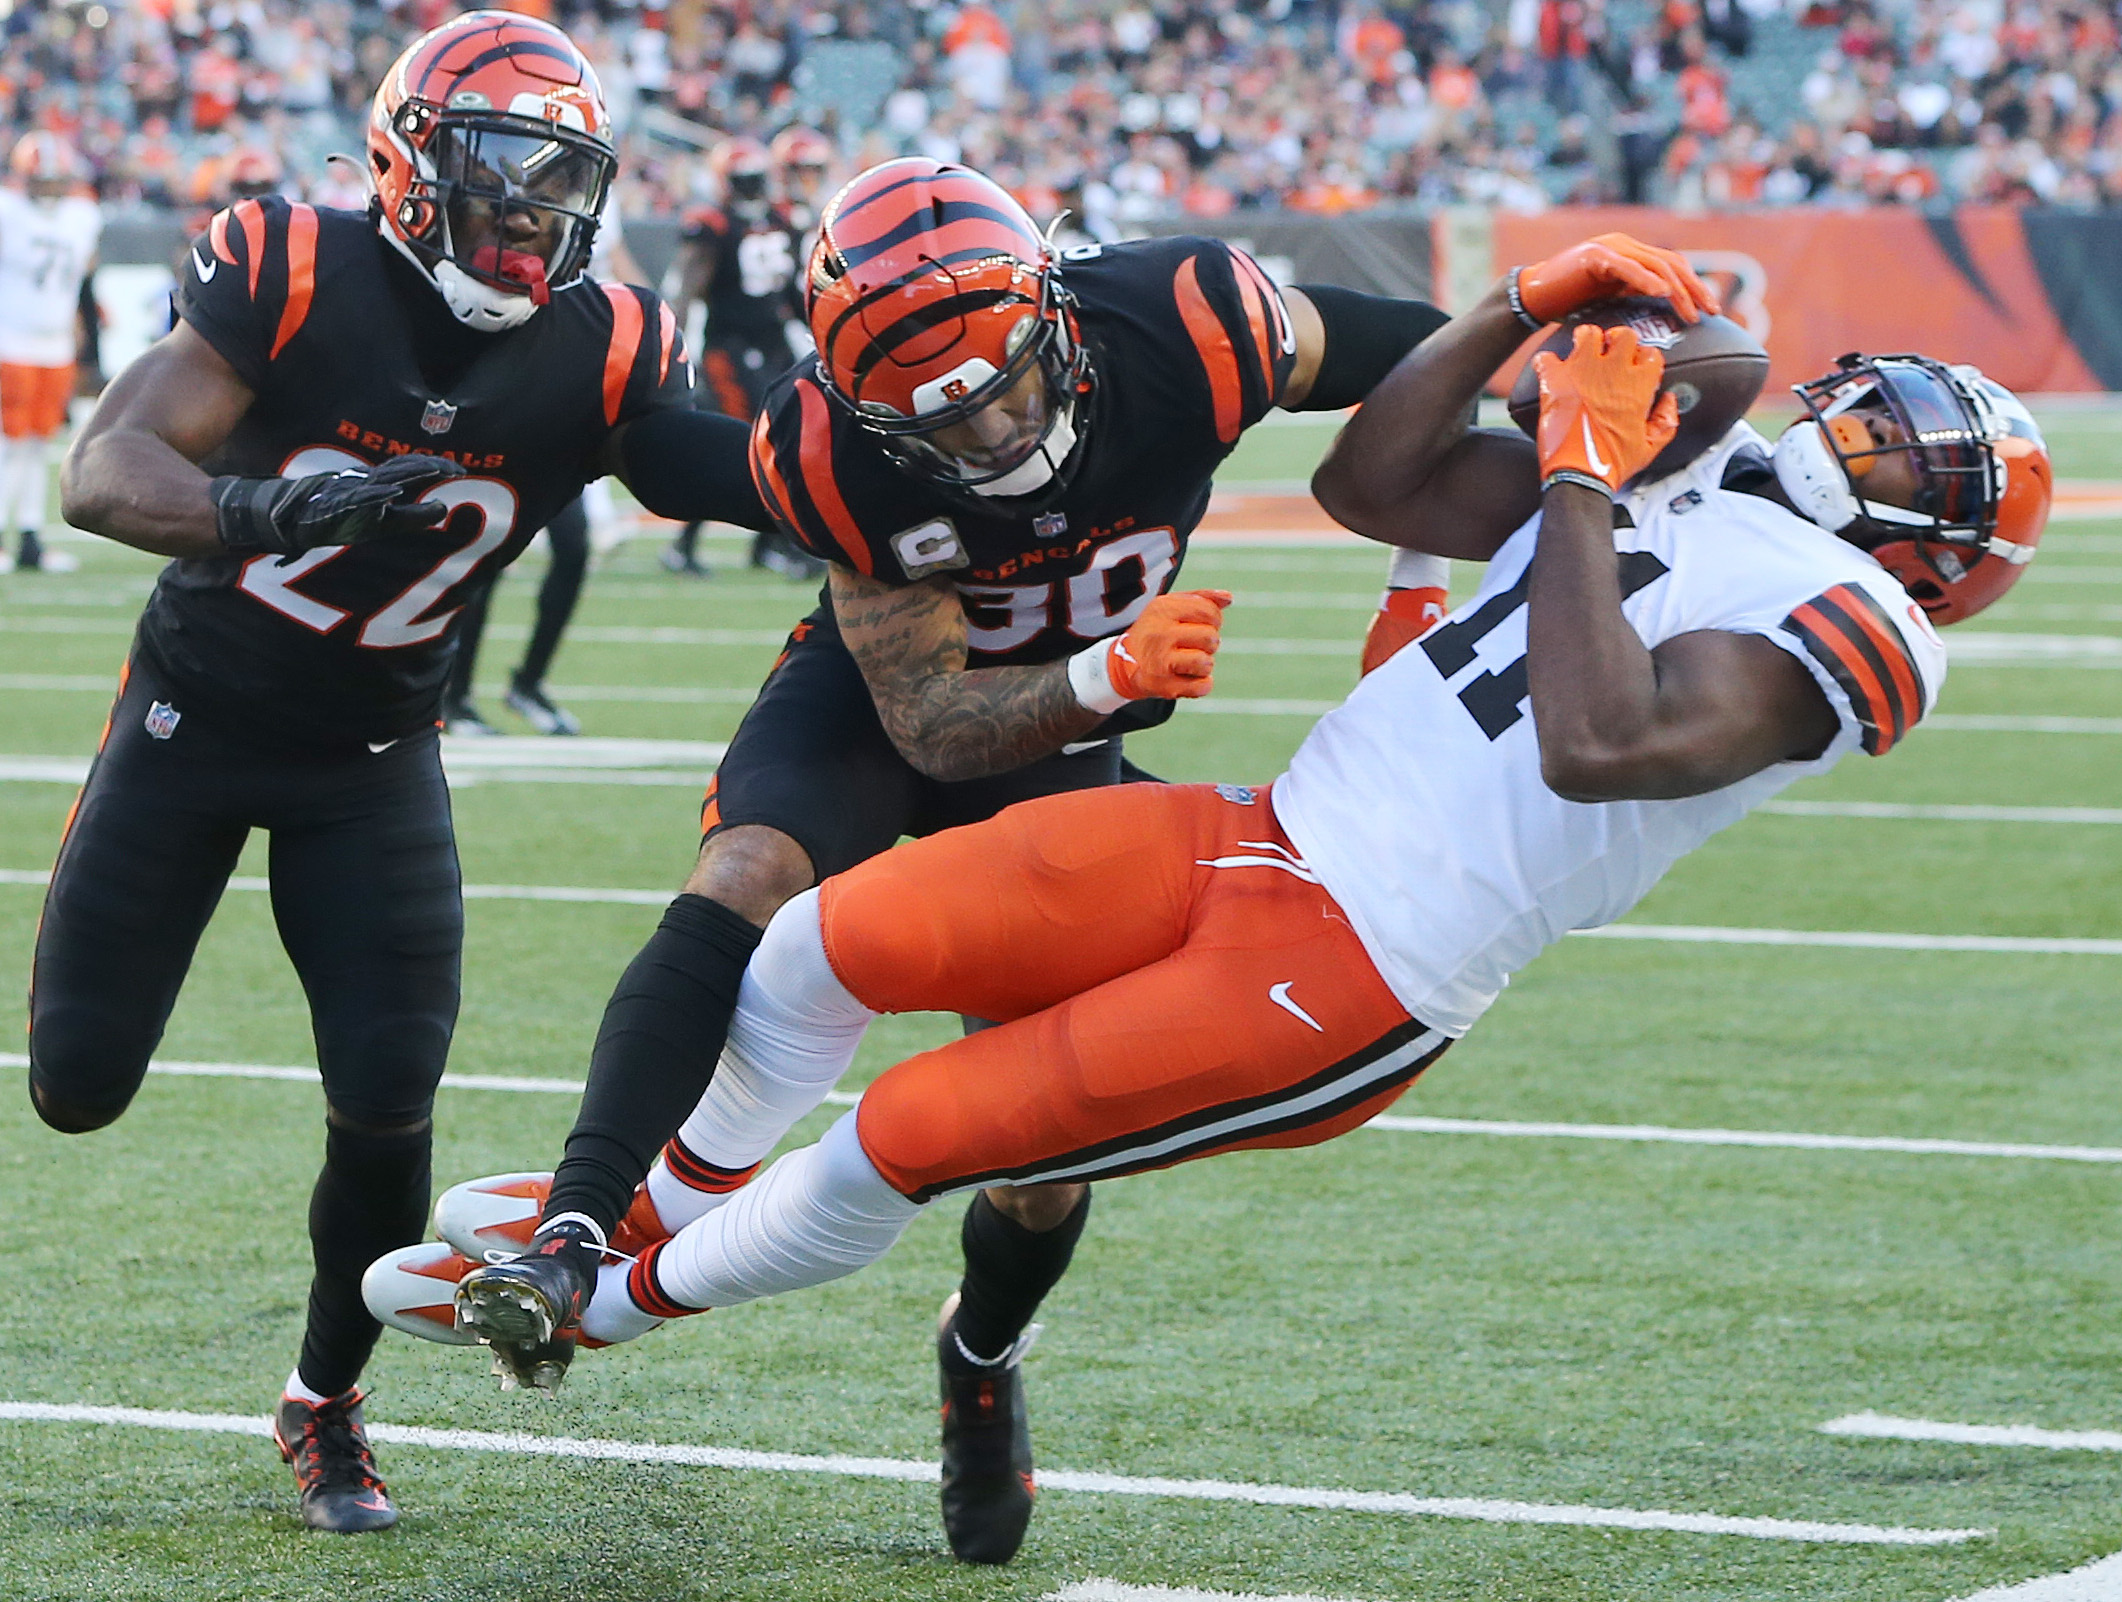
(947, 720)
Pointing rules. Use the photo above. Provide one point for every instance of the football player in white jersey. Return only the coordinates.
(49, 226)
(1179, 971)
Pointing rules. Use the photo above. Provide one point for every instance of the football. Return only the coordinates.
(1713, 368)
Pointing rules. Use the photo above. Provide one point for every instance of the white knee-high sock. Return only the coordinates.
(817, 1214)
(11, 460)
(794, 1034)
(32, 470)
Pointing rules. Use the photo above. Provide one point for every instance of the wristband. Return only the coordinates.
(243, 514)
(1517, 304)
(1569, 475)
(1090, 678)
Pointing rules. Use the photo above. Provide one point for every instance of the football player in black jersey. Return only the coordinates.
(356, 419)
(739, 260)
(1001, 455)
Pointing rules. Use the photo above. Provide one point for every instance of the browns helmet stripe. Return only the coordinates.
(1212, 342)
(250, 217)
(301, 274)
(816, 460)
(695, 1172)
(1849, 635)
(626, 344)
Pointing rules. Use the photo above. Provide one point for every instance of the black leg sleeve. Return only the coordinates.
(370, 1199)
(656, 1051)
(471, 628)
(1008, 1271)
(568, 534)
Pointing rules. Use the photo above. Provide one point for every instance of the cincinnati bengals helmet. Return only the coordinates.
(943, 327)
(251, 172)
(741, 167)
(46, 166)
(491, 153)
(1983, 475)
(802, 158)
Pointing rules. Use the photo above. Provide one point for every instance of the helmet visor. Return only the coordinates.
(513, 196)
(1947, 439)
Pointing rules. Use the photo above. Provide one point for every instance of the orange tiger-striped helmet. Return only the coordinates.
(741, 166)
(943, 326)
(802, 157)
(491, 152)
(1981, 472)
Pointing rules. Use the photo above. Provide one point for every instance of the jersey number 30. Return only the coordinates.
(409, 618)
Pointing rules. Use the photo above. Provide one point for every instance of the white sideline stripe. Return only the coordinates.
(1942, 814)
(1484, 1509)
(1857, 939)
(1744, 1137)
(1390, 1123)
(2011, 724)
(2098, 1581)
(528, 1083)
(1885, 1427)
(72, 771)
(1685, 934)
(2002, 646)
(1103, 1590)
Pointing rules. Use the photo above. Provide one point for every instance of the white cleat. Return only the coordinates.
(414, 1289)
(496, 1214)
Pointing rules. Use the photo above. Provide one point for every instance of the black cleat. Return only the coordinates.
(461, 718)
(528, 1308)
(684, 563)
(530, 702)
(327, 1447)
(987, 1448)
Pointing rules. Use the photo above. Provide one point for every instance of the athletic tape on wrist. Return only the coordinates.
(1418, 570)
(1090, 678)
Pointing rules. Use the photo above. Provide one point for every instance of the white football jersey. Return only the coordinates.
(1419, 802)
(45, 250)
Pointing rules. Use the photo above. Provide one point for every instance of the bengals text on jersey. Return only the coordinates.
(354, 359)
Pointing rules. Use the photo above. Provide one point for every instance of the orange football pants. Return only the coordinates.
(1167, 979)
(33, 399)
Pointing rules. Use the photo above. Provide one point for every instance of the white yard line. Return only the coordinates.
(1387, 1123)
(1103, 1590)
(472, 892)
(1885, 1427)
(1941, 814)
(2098, 1581)
(1483, 1509)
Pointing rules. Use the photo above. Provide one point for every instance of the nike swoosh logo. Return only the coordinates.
(1279, 995)
(204, 268)
(1591, 452)
(379, 747)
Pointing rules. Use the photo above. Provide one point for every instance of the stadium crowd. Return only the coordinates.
(1126, 112)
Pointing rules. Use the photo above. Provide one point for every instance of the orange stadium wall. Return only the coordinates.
(2034, 299)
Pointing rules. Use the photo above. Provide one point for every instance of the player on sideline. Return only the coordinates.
(48, 232)
(1001, 454)
(1187, 970)
(357, 418)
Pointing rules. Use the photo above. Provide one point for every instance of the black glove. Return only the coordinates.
(282, 516)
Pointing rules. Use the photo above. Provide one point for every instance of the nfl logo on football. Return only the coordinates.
(162, 720)
(437, 417)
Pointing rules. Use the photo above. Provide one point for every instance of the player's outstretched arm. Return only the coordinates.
(953, 722)
(1617, 721)
(131, 474)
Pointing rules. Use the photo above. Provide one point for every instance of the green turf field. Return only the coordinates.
(1561, 1322)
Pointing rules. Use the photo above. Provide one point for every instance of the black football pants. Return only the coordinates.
(366, 897)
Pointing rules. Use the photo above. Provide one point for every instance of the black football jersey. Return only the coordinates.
(1189, 346)
(353, 357)
(752, 294)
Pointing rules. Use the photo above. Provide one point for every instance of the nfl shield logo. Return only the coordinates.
(1048, 524)
(162, 720)
(438, 416)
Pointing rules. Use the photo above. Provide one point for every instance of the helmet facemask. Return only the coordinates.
(501, 211)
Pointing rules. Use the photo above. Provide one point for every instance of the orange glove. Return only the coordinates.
(1169, 652)
(1601, 416)
(1403, 617)
(1603, 268)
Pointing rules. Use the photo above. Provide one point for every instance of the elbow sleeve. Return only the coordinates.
(694, 467)
(1366, 335)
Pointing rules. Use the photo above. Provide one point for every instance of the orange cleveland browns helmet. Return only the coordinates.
(1983, 471)
(491, 151)
(45, 165)
(943, 327)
